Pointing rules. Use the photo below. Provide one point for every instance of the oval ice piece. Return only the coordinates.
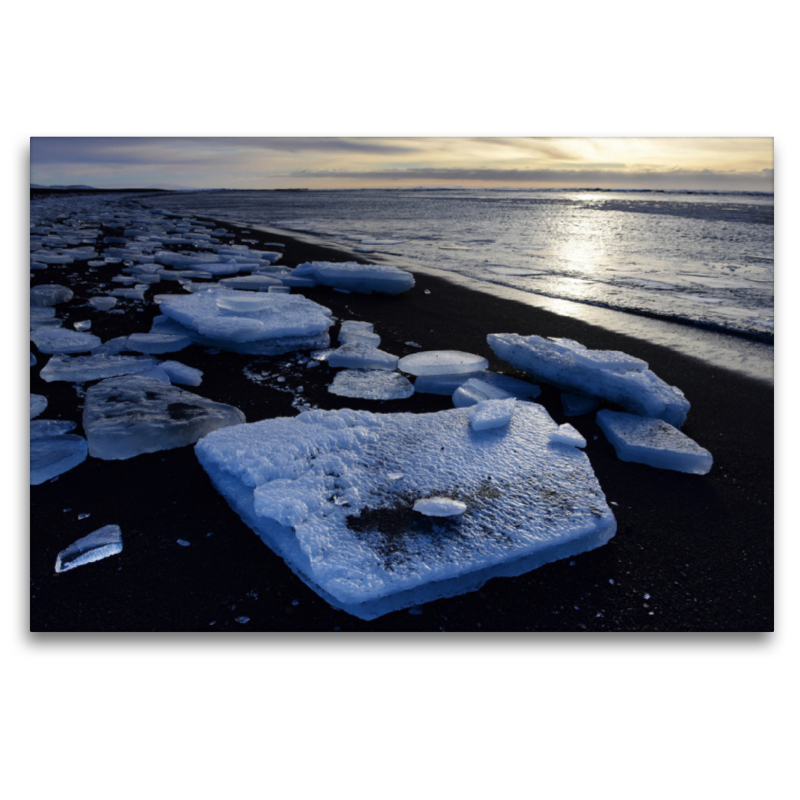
(440, 507)
(442, 362)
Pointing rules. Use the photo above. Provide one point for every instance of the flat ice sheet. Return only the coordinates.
(639, 391)
(333, 493)
(371, 385)
(653, 442)
(354, 277)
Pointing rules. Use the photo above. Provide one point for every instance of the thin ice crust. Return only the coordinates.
(322, 491)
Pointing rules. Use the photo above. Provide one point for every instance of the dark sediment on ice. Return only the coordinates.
(692, 553)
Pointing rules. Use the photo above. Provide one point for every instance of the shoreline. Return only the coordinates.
(700, 547)
(726, 350)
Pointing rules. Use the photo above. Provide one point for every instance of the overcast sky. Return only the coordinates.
(736, 164)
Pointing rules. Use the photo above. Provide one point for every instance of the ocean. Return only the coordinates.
(691, 270)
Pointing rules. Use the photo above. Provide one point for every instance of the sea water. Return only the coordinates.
(693, 270)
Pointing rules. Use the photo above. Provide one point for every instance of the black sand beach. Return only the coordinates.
(691, 553)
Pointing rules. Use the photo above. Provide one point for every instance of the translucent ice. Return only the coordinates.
(371, 385)
(154, 343)
(104, 542)
(333, 493)
(492, 413)
(79, 369)
(442, 362)
(354, 277)
(566, 434)
(103, 303)
(254, 283)
(180, 373)
(492, 386)
(359, 355)
(50, 427)
(440, 507)
(653, 442)
(54, 453)
(38, 404)
(50, 294)
(126, 416)
(640, 391)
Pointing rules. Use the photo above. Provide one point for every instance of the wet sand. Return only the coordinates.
(691, 553)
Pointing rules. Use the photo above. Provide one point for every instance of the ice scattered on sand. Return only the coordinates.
(440, 507)
(38, 404)
(50, 294)
(639, 391)
(371, 385)
(491, 413)
(442, 362)
(653, 442)
(126, 416)
(575, 405)
(316, 489)
(354, 277)
(359, 355)
(104, 542)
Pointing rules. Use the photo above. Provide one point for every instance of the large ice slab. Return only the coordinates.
(442, 362)
(126, 416)
(102, 543)
(639, 391)
(354, 277)
(360, 355)
(333, 493)
(210, 318)
(50, 294)
(79, 369)
(653, 442)
(371, 385)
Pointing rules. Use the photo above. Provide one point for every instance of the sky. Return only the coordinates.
(720, 164)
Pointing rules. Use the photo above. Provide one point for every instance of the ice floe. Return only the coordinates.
(103, 303)
(442, 362)
(354, 277)
(50, 294)
(653, 442)
(371, 385)
(126, 416)
(53, 450)
(640, 391)
(317, 489)
(359, 355)
(102, 543)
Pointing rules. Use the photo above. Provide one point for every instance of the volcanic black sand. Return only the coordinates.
(691, 553)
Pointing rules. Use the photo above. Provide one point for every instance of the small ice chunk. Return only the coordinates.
(126, 416)
(371, 385)
(156, 373)
(62, 340)
(50, 294)
(181, 373)
(82, 325)
(154, 343)
(575, 405)
(654, 442)
(358, 355)
(33, 360)
(492, 413)
(38, 404)
(50, 455)
(103, 303)
(440, 507)
(442, 362)
(493, 386)
(104, 542)
(566, 434)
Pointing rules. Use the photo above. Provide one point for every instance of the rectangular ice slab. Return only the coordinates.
(653, 442)
(104, 542)
(354, 277)
(640, 391)
(333, 493)
(126, 416)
